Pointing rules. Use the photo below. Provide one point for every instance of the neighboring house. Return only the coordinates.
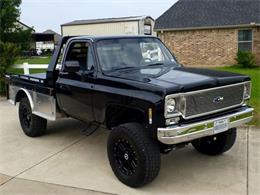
(46, 40)
(137, 25)
(56, 36)
(211, 32)
(41, 41)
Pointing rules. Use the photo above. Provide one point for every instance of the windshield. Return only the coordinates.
(127, 53)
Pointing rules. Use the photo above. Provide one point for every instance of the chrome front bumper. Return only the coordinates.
(184, 133)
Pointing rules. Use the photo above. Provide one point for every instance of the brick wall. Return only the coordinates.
(213, 47)
(256, 44)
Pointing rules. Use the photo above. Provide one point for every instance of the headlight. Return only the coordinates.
(174, 106)
(247, 90)
(170, 105)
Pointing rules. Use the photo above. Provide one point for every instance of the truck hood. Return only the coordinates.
(181, 79)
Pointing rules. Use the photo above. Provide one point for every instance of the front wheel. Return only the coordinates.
(216, 144)
(133, 155)
(32, 125)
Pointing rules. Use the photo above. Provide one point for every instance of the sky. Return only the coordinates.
(50, 14)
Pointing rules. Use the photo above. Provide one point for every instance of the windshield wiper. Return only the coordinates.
(123, 68)
(155, 64)
(134, 67)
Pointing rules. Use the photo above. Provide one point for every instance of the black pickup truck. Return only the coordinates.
(136, 88)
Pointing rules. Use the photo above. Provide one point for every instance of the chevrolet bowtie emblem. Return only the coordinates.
(218, 99)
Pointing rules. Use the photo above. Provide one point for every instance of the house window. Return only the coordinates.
(245, 40)
(147, 29)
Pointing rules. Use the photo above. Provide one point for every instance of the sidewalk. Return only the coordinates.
(65, 162)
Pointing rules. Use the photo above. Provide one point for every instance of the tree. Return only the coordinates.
(12, 37)
(9, 14)
(10, 30)
(8, 55)
(22, 38)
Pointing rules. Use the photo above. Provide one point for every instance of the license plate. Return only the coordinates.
(221, 125)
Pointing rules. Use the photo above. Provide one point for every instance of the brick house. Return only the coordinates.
(210, 32)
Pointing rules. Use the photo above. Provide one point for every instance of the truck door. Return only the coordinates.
(75, 85)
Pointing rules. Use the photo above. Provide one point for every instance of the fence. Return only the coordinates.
(26, 67)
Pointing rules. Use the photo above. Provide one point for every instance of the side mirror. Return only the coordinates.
(71, 66)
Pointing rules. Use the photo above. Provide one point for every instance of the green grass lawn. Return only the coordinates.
(20, 71)
(34, 60)
(254, 73)
(31, 60)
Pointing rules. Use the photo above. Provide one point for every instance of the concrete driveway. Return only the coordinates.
(65, 162)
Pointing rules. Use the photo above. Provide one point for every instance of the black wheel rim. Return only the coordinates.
(125, 157)
(212, 140)
(27, 117)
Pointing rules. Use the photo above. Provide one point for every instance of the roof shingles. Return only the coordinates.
(209, 13)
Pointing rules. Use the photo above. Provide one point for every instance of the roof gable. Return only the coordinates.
(49, 31)
(209, 13)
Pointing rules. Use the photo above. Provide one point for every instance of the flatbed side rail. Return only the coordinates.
(25, 77)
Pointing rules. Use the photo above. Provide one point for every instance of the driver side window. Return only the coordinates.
(82, 53)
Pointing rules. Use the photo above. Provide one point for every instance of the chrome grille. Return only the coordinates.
(198, 103)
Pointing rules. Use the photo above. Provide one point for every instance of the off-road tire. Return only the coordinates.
(143, 152)
(216, 144)
(32, 125)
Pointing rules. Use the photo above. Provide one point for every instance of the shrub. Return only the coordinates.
(8, 54)
(245, 59)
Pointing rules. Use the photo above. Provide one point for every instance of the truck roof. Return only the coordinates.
(97, 38)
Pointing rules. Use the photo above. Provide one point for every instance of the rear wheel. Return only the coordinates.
(216, 144)
(133, 156)
(32, 125)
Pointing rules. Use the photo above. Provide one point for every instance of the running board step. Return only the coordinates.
(90, 129)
